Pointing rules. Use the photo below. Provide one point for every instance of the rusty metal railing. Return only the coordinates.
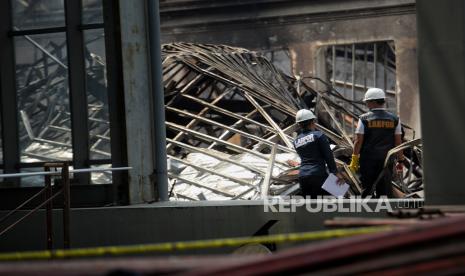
(50, 170)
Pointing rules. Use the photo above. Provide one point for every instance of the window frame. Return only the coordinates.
(74, 30)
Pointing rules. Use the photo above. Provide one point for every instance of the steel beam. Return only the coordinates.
(229, 113)
(195, 183)
(217, 156)
(235, 147)
(158, 100)
(230, 129)
(8, 101)
(203, 169)
(77, 88)
(115, 92)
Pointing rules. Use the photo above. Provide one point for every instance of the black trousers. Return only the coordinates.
(369, 171)
(311, 185)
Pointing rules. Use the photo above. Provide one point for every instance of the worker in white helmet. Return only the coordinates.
(315, 153)
(377, 132)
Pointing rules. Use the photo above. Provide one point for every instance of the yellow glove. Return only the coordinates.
(354, 163)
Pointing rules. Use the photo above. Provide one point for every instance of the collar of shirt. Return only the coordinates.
(379, 108)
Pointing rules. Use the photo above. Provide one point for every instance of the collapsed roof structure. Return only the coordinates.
(230, 120)
(44, 103)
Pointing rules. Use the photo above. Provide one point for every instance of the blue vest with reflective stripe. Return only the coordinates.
(380, 126)
(314, 151)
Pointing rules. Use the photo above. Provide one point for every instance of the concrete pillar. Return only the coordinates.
(137, 96)
(408, 99)
(441, 60)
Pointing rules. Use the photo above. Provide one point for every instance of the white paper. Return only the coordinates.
(333, 188)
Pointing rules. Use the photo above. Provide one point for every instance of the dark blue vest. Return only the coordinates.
(314, 151)
(380, 126)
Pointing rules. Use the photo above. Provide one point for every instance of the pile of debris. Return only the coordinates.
(230, 121)
(44, 107)
(230, 125)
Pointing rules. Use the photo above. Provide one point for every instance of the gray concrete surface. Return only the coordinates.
(137, 95)
(441, 61)
(163, 222)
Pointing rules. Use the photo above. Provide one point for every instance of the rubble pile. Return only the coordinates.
(230, 126)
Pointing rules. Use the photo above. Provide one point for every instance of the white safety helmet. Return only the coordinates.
(304, 115)
(374, 94)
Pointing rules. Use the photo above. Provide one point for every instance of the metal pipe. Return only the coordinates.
(269, 173)
(228, 129)
(194, 121)
(365, 70)
(49, 208)
(363, 87)
(375, 61)
(100, 170)
(10, 175)
(385, 66)
(353, 87)
(38, 46)
(229, 145)
(236, 125)
(203, 169)
(192, 182)
(333, 65)
(270, 120)
(346, 77)
(216, 156)
(229, 113)
(21, 205)
(158, 100)
(66, 205)
(30, 213)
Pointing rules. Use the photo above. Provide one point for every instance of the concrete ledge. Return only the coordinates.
(167, 221)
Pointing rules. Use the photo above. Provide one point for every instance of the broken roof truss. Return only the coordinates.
(230, 119)
(231, 105)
